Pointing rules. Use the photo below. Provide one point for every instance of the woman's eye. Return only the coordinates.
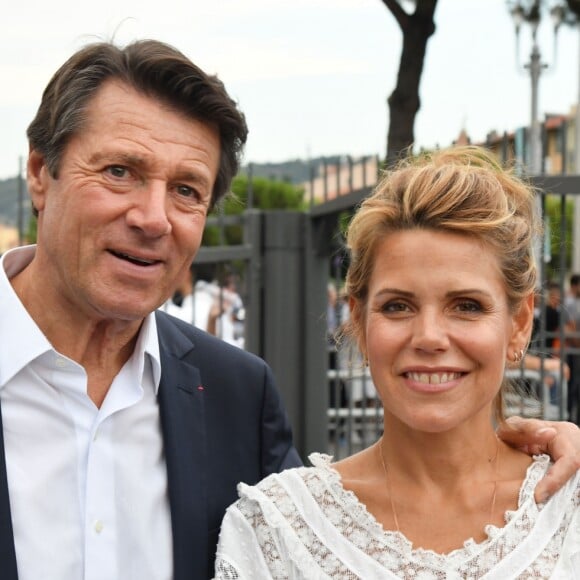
(394, 307)
(469, 306)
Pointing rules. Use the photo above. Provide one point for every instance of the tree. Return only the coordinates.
(404, 103)
(574, 6)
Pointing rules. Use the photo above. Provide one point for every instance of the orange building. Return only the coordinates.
(8, 237)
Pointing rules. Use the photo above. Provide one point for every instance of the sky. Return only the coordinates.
(312, 76)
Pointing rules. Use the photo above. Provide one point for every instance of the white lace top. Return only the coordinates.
(303, 524)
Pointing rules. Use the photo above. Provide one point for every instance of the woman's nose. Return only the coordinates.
(429, 332)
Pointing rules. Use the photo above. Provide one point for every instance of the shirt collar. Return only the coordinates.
(148, 344)
(21, 339)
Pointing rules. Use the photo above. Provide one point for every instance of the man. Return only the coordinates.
(124, 431)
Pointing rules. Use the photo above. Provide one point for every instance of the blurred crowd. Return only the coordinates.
(211, 304)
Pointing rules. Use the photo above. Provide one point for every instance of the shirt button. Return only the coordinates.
(60, 362)
(99, 526)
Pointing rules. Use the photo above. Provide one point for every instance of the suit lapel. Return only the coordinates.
(182, 410)
(8, 569)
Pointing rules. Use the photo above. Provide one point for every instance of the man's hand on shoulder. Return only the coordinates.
(559, 439)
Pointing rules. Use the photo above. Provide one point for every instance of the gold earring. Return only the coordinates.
(519, 355)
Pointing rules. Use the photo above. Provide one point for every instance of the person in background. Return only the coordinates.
(332, 322)
(229, 311)
(441, 289)
(195, 300)
(124, 431)
(543, 356)
(572, 321)
(554, 318)
(572, 300)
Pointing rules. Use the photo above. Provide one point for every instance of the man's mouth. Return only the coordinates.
(133, 259)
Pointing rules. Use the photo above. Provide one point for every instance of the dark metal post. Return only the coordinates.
(253, 303)
(283, 319)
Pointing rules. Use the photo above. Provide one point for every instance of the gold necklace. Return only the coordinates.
(494, 459)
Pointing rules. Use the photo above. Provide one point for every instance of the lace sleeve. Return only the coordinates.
(239, 553)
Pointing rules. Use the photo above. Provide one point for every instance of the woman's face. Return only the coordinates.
(437, 328)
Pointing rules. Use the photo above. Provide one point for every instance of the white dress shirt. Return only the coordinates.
(87, 486)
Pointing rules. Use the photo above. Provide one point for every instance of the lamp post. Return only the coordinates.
(529, 12)
(569, 13)
(576, 223)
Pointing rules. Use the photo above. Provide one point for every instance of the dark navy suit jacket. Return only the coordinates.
(223, 422)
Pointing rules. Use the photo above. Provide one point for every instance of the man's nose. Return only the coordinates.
(148, 212)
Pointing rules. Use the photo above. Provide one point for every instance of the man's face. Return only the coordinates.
(125, 217)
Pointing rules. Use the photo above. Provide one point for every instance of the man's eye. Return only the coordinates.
(117, 171)
(186, 191)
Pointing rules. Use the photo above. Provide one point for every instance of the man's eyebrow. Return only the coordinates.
(192, 177)
(139, 162)
(119, 158)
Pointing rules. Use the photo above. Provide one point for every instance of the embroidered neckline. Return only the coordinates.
(527, 508)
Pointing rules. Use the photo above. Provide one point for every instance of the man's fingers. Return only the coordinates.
(529, 435)
(559, 439)
(556, 477)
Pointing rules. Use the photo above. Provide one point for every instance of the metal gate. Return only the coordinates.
(289, 261)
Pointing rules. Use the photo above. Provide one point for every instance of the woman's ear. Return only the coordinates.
(38, 178)
(523, 321)
(358, 323)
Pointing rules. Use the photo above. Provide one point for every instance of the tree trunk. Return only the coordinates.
(574, 6)
(404, 102)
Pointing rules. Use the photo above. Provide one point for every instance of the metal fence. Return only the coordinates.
(287, 265)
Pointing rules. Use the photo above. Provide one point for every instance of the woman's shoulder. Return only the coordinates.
(292, 484)
(292, 477)
(277, 496)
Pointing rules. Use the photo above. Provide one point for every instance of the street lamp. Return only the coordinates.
(529, 12)
(569, 13)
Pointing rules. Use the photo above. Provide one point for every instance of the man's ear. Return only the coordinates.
(38, 178)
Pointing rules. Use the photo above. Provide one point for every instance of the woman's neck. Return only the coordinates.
(440, 458)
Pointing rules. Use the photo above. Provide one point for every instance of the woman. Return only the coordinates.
(441, 286)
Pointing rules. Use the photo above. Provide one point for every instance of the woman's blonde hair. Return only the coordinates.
(462, 190)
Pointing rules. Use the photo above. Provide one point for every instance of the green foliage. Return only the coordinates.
(553, 224)
(31, 233)
(267, 194)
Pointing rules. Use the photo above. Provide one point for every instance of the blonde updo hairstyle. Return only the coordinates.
(463, 190)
